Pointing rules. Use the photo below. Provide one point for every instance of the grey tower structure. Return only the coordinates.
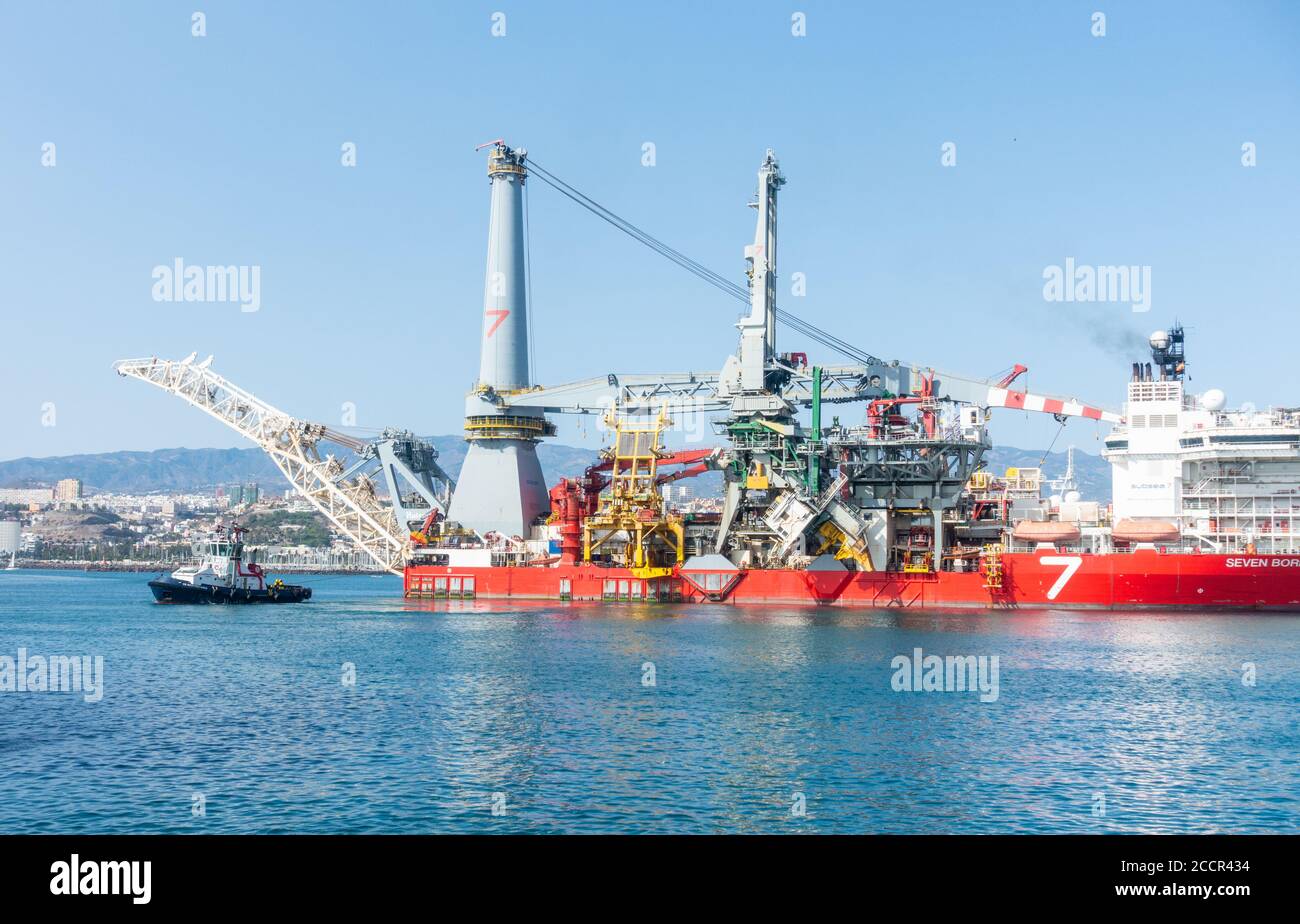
(501, 488)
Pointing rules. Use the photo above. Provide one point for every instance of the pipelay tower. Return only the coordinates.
(503, 442)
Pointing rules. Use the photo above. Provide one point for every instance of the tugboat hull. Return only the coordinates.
(169, 590)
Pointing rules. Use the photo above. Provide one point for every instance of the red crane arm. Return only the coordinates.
(1016, 372)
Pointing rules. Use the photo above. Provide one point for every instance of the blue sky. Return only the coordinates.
(225, 149)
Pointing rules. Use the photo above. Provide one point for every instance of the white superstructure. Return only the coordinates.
(1228, 479)
(218, 562)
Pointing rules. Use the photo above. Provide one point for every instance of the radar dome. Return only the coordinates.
(1159, 340)
(1214, 399)
(1072, 497)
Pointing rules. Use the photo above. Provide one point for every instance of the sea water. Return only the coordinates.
(364, 712)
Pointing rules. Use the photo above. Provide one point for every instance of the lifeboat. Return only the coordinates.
(1049, 531)
(1145, 531)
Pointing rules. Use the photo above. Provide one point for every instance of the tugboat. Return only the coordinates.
(218, 575)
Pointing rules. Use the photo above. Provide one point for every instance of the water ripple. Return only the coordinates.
(533, 717)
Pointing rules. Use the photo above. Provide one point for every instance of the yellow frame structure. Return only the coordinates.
(633, 505)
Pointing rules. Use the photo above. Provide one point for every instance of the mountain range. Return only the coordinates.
(193, 470)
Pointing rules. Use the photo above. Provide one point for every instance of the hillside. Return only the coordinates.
(1092, 472)
(164, 470)
(185, 470)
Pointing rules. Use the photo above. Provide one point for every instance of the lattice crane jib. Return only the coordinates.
(349, 503)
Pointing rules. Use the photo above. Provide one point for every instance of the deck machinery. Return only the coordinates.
(878, 495)
(884, 503)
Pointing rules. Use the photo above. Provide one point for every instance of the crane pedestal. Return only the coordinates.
(501, 488)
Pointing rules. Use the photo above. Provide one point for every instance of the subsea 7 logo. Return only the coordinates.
(500, 314)
(1071, 564)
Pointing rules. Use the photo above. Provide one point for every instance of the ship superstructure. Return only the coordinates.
(1223, 480)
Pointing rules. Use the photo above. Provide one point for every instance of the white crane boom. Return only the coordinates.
(349, 503)
(706, 392)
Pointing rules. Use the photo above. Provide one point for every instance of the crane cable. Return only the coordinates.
(1048, 451)
(718, 281)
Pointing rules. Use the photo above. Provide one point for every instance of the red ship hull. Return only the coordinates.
(1139, 580)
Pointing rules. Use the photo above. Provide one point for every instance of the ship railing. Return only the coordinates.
(1022, 548)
